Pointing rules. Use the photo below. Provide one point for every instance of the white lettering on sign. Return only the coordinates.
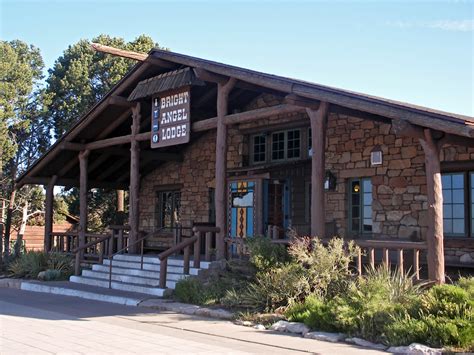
(171, 118)
(173, 132)
(174, 116)
(175, 100)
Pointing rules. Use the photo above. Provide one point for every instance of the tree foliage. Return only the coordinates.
(82, 76)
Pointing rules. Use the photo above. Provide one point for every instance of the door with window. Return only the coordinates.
(241, 209)
(360, 206)
(276, 205)
(169, 208)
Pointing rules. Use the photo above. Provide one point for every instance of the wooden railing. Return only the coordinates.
(200, 232)
(368, 249)
(95, 247)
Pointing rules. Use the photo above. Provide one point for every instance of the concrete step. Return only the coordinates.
(66, 288)
(148, 266)
(172, 261)
(138, 280)
(155, 291)
(137, 272)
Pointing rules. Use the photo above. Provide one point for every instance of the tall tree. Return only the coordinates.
(82, 76)
(24, 132)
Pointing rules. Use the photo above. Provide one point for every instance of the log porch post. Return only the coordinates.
(83, 160)
(48, 213)
(120, 200)
(318, 120)
(223, 91)
(434, 238)
(134, 178)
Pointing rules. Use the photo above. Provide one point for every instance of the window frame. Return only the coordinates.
(252, 150)
(159, 210)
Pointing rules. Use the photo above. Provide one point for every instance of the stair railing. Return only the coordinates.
(140, 240)
(100, 239)
(185, 246)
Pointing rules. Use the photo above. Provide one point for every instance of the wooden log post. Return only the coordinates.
(120, 201)
(83, 160)
(134, 179)
(434, 238)
(223, 91)
(48, 213)
(318, 120)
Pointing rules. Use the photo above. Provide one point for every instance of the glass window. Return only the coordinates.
(169, 206)
(278, 146)
(361, 206)
(453, 204)
(259, 149)
(293, 150)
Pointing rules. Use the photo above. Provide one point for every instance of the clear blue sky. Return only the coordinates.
(418, 52)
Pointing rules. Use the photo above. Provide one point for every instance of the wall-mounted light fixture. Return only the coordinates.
(329, 181)
(376, 156)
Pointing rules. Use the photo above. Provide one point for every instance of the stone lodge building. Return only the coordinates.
(265, 154)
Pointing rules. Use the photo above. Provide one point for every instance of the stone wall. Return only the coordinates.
(399, 184)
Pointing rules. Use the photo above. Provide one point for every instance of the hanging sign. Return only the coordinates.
(171, 118)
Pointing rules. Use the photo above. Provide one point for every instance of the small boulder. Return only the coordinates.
(415, 349)
(290, 327)
(259, 327)
(325, 336)
(41, 275)
(365, 343)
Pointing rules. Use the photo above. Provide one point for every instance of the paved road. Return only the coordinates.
(37, 323)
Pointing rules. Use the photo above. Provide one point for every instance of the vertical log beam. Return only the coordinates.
(223, 91)
(48, 213)
(134, 178)
(434, 237)
(318, 120)
(83, 160)
(120, 201)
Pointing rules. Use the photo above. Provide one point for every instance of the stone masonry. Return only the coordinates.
(399, 184)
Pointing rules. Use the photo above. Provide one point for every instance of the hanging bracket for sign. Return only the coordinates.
(171, 118)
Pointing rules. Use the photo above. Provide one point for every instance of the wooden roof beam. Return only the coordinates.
(141, 57)
(117, 100)
(247, 116)
(74, 182)
(296, 100)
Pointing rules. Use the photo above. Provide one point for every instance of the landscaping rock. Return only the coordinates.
(325, 336)
(41, 275)
(365, 343)
(247, 323)
(415, 349)
(259, 327)
(290, 327)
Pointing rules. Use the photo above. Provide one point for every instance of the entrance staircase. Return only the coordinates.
(128, 274)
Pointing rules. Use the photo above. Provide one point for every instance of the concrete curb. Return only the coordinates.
(10, 283)
(184, 308)
(36, 287)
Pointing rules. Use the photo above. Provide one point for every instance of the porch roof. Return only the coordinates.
(110, 117)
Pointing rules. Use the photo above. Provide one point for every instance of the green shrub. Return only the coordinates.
(190, 290)
(449, 301)
(327, 267)
(28, 265)
(264, 254)
(406, 330)
(53, 275)
(467, 284)
(273, 288)
(313, 311)
(62, 263)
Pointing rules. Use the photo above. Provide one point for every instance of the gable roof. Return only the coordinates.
(142, 80)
